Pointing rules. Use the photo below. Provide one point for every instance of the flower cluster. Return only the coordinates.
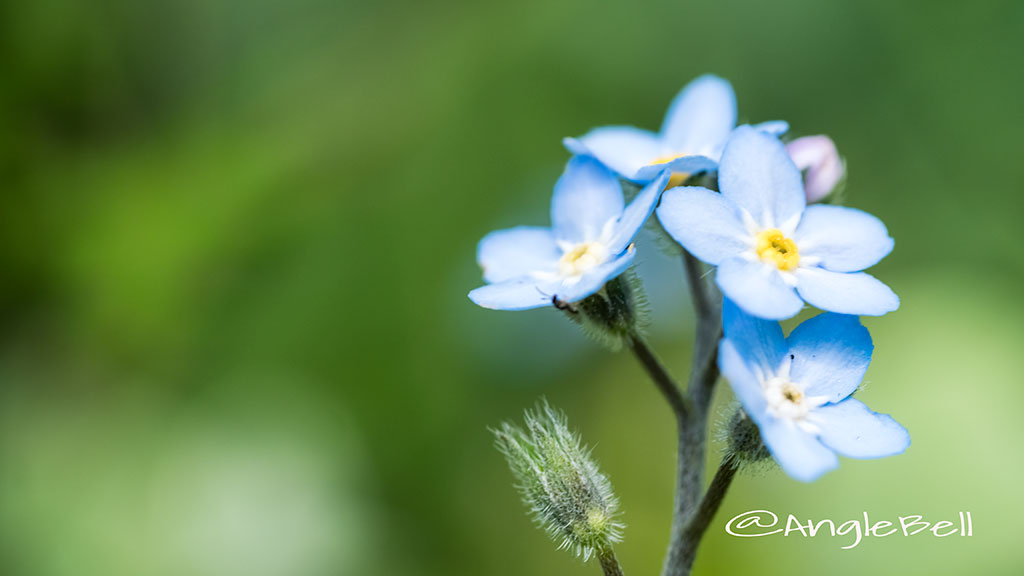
(760, 220)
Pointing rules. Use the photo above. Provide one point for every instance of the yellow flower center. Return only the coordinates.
(677, 178)
(788, 401)
(792, 393)
(776, 249)
(581, 258)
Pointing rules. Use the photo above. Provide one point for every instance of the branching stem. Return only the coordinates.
(666, 385)
(688, 521)
(708, 507)
(694, 508)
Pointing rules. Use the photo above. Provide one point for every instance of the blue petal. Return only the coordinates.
(684, 165)
(745, 384)
(517, 294)
(831, 353)
(624, 149)
(692, 164)
(515, 252)
(799, 453)
(847, 293)
(701, 117)
(853, 430)
(587, 197)
(773, 127)
(595, 279)
(758, 289)
(706, 223)
(634, 216)
(758, 175)
(759, 342)
(846, 239)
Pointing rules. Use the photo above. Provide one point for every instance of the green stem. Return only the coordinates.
(702, 305)
(709, 505)
(666, 385)
(692, 429)
(609, 563)
(692, 513)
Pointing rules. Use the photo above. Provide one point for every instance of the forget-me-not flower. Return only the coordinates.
(797, 390)
(692, 136)
(589, 243)
(773, 252)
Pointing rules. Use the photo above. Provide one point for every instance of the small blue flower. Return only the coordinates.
(692, 136)
(797, 390)
(589, 243)
(773, 252)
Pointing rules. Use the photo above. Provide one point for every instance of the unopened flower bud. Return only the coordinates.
(560, 483)
(612, 314)
(818, 159)
(744, 440)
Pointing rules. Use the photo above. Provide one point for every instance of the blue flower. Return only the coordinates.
(797, 390)
(773, 252)
(589, 243)
(692, 136)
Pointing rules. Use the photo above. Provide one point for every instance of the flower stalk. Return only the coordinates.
(692, 429)
(660, 376)
(693, 509)
(609, 563)
(702, 517)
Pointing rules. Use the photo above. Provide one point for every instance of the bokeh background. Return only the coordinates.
(236, 239)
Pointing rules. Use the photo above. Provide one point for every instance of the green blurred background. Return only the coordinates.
(236, 240)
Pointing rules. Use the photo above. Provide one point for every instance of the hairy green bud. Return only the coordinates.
(745, 444)
(613, 314)
(560, 483)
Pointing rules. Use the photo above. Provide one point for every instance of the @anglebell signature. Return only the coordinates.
(757, 523)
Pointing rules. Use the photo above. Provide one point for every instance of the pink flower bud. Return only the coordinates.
(818, 158)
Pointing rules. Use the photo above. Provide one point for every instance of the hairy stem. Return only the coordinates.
(706, 512)
(692, 513)
(692, 429)
(609, 563)
(699, 291)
